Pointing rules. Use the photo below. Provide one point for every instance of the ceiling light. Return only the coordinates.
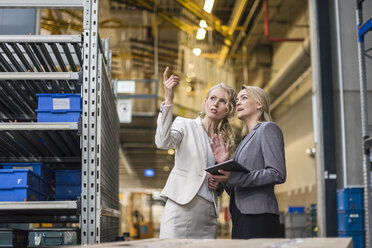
(196, 51)
(200, 35)
(208, 5)
(170, 151)
(149, 173)
(203, 24)
(188, 89)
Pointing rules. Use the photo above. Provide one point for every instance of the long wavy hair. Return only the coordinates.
(224, 126)
(262, 98)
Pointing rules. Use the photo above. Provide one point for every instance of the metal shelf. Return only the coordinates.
(31, 64)
(39, 211)
(39, 126)
(52, 64)
(31, 141)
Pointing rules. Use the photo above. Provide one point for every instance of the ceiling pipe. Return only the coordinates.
(294, 86)
(294, 67)
(267, 31)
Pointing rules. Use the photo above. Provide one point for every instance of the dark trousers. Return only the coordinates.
(248, 226)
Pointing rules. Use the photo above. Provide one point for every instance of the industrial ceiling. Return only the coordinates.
(235, 38)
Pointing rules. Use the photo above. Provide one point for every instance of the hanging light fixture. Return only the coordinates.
(208, 5)
(196, 51)
(200, 35)
(203, 24)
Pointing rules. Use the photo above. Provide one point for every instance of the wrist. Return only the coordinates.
(168, 101)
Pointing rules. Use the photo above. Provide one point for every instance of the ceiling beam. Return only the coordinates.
(233, 23)
(211, 19)
(247, 21)
(149, 6)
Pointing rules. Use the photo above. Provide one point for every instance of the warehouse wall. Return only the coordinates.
(297, 126)
(294, 116)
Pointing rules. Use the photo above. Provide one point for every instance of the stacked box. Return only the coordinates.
(311, 224)
(10, 237)
(295, 223)
(67, 184)
(350, 215)
(43, 171)
(21, 185)
(54, 236)
(58, 107)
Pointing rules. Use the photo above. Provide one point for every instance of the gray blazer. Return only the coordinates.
(262, 153)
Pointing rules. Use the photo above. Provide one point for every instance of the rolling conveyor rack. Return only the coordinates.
(31, 64)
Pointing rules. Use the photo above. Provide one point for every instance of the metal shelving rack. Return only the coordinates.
(51, 64)
(363, 29)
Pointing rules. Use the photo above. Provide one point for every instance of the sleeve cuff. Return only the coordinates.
(163, 106)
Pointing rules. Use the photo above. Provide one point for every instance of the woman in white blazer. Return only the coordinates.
(191, 205)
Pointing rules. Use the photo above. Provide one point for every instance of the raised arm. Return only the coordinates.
(168, 135)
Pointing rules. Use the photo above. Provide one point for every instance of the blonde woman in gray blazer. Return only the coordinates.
(253, 205)
(191, 205)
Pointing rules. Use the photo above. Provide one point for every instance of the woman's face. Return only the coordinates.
(246, 106)
(215, 106)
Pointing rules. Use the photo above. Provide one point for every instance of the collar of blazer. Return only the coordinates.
(200, 131)
(244, 142)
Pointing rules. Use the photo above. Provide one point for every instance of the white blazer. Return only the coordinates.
(186, 136)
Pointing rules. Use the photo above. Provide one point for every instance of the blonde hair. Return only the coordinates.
(224, 126)
(262, 98)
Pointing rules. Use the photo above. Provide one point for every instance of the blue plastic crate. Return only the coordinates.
(67, 177)
(358, 237)
(58, 116)
(45, 188)
(350, 198)
(58, 107)
(67, 192)
(21, 194)
(10, 178)
(38, 168)
(59, 102)
(296, 209)
(350, 220)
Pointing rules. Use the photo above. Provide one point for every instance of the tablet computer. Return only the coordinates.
(229, 165)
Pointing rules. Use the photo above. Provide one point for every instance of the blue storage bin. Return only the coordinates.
(296, 209)
(358, 237)
(59, 102)
(58, 107)
(58, 116)
(38, 168)
(10, 178)
(67, 177)
(67, 192)
(350, 220)
(45, 188)
(350, 198)
(20, 194)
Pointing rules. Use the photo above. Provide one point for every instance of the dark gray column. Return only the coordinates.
(323, 117)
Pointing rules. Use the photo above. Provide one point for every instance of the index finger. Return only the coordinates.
(165, 74)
